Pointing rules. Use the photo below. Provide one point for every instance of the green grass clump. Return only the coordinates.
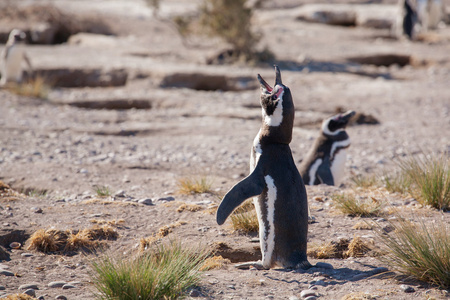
(419, 250)
(162, 272)
(429, 176)
(198, 185)
(102, 191)
(358, 206)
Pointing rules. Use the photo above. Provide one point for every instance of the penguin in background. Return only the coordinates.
(325, 161)
(279, 193)
(409, 19)
(12, 58)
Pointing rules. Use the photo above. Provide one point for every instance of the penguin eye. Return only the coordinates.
(274, 97)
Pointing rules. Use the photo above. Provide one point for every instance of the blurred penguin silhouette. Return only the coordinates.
(13, 58)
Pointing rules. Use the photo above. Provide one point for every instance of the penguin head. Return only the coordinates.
(277, 108)
(16, 36)
(337, 123)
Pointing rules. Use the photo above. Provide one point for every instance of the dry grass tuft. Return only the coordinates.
(8, 194)
(357, 205)
(215, 263)
(358, 296)
(46, 241)
(146, 243)
(52, 240)
(116, 223)
(80, 240)
(189, 207)
(35, 87)
(364, 181)
(18, 297)
(357, 248)
(244, 218)
(361, 225)
(194, 185)
(343, 248)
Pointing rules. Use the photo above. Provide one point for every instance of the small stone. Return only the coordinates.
(61, 297)
(407, 288)
(30, 292)
(2, 288)
(146, 201)
(37, 210)
(319, 282)
(56, 284)
(307, 293)
(359, 277)
(68, 286)
(293, 298)
(170, 198)
(120, 193)
(41, 297)
(6, 273)
(323, 265)
(83, 171)
(24, 287)
(26, 254)
(311, 298)
(194, 293)
(231, 287)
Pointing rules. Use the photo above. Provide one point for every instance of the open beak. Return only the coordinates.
(265, 86)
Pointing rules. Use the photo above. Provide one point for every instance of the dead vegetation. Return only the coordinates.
(343, 248)
(147, 242)
(87, 239)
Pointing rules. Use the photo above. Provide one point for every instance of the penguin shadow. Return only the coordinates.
(311, 66)
(337, 276)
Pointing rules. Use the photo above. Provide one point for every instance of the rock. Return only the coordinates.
(61, 297)
(33, 286)
(83, 77)
(323, 265)
(146, 201)
(68, 286)
(120, 193)
(6, 273)
(293, 298)
(26, 254)
(311, 298)
(407, 289)
(36, 210)
(56, 284)
(30, 292)
(307, 293)
(2, 288)
(319, 282)
(194, 293)
(166, 198)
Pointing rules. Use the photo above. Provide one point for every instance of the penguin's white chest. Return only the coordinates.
(12, 68)
(338, 166)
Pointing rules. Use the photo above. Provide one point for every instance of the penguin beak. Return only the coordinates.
(264, 85)
(345, 117)
(277, 76)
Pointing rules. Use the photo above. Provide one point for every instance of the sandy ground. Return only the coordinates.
(57, 153)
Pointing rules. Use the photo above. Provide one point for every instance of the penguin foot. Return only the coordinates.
(304, 265)
(247, 265)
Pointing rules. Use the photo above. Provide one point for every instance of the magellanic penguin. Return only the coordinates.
(325, 161)
(281, 202)
(12, 58)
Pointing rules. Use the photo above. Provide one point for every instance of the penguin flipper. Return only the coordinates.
(324, 174)
(250, 186)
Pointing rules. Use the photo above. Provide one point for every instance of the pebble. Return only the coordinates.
(293, 298)
(407, 288)
(146, 201)
(323, 265)
(307, 293)
(33, 286)
(120, 193)
(194, 293)
(318, 282)
(311, 298)
(26, 254)
(68, 286)
(2, 288)
(6, 273)
(56, 284)
(37, 210)
(61, 297)
(166, 198)
(30, 292)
